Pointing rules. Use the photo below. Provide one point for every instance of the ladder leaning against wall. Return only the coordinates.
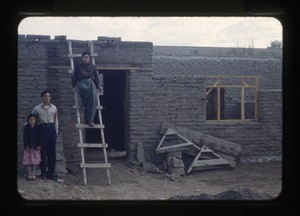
(82, 145)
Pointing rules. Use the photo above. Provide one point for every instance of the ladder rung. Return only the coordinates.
(95, 165)
(80, 55)
(78, 107)
(92, 145)
(87, 126)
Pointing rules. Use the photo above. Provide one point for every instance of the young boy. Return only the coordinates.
(85, 77)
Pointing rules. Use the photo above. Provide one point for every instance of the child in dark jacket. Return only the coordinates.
(32, 146)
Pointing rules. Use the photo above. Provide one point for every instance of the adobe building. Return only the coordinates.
(233, 94)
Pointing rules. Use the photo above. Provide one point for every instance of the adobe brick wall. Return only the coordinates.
(268, 70)
(167, 88)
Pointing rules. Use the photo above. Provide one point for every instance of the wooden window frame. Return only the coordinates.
(218, 85)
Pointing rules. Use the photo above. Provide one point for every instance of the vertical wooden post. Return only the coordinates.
(80, 137)
(256, 99)
(218, 104)
(71, 58)
(243, 103)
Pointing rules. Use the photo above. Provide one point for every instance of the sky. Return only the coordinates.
(256, 32)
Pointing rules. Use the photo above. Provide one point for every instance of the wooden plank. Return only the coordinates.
(244, 82)
(230, 76)
(231, 159)
(80, 55)
(230, 120)
(206, 151)
(95, 165)
(87, 126)
(212, 88)
(193, 163)
(59, 67)
(161, 141)
(92, 145)
(210, 167)
(210, 162)
(230, 86)
(256, 99)
(223, 147)
(179, 149)
(197, 148)
(175, 146)
(243, 103)
(78, 107)
(218, 103)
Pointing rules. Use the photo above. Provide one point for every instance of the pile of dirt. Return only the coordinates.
(243, 194)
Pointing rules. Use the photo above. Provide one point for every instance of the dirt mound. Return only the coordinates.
(244, 194)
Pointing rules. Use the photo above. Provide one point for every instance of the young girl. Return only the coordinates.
(32, 146)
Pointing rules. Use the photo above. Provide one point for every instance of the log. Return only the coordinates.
(228, 150)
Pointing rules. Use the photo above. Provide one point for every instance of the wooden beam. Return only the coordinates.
(87, 126)
(256, 99)
(230, 76)
(218, 103)
(59, 67)
(80, 55)
(230, 86)
(78, 107)
(243, 103)
(228, 150)
(95, 165)
(172, 148)
(246, 85)
(92, 145)
(210, 162)
(212, 88)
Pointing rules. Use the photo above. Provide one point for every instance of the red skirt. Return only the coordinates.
(31, 157)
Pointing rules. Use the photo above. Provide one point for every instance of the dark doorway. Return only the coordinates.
(114, 103)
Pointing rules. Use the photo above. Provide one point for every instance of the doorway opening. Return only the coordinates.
(115, 111)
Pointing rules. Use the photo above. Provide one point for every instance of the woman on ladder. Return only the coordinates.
(85, 77)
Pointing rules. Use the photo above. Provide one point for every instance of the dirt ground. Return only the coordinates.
(261, 181)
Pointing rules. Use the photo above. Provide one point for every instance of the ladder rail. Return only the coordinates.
(103, 139)
(91, 48)
(77, 112)
(71, 58)
(80, 136)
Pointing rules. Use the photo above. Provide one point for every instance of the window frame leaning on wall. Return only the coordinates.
(245, 86)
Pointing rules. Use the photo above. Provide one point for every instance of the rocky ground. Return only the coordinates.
(248, 181)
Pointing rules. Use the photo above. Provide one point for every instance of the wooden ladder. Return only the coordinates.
(82, 145)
